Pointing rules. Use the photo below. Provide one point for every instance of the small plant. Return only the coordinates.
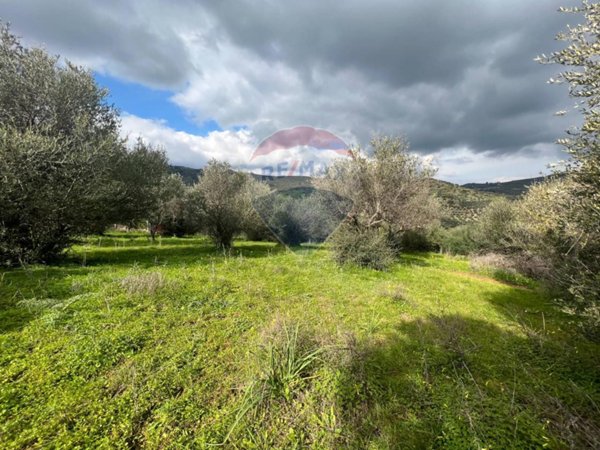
(492, 261)
(395, 292)
(459, 240)
(509, 269)
(289, 360)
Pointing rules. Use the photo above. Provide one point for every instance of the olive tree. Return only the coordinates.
(132, 194)
(64, 170)
(167, 214)
(578, 267)
(583, 77)
(389, 192)
(224, 201)
(36, 92)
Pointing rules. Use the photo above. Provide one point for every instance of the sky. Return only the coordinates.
(212, 79)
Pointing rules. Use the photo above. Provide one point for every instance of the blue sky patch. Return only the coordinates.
(148, 103)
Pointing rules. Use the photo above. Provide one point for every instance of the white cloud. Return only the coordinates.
(188, 149)
(463, 165)
(234, 147)
(457, 165)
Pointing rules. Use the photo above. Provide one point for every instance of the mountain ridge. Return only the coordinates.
(513, 188)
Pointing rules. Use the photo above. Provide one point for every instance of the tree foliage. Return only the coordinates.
(389, 189)
(295, 217)
(223, 202)
(575, 206)
(64, 170)
(390, 193)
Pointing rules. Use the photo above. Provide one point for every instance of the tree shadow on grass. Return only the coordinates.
(449, 381)
(172, 255)
(37, 282)
(415, 259)
(55, 281)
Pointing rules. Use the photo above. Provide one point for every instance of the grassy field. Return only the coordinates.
(130, 344)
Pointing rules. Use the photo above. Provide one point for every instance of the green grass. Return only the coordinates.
(129, 344)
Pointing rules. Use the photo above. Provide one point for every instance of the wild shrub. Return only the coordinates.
(495, 229)
(551, 231)
(362, 247)
(492, 261)
(460, 240)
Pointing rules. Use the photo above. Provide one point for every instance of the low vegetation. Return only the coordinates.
(173, 344)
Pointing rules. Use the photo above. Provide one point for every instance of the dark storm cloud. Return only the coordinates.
(135, 46)
(447, 74)
(401, 42)
(405, 44)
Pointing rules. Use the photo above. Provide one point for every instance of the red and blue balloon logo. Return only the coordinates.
(299, 150)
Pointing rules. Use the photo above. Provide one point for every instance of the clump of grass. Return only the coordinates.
(147, 283)
(309, 392)
(289, 359)
(395, 292)
(492, 261)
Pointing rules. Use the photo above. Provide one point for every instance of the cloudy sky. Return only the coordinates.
(213, 78)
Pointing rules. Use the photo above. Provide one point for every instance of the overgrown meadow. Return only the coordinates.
(174, 344)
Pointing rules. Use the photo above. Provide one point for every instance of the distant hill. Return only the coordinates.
(284, 183)
(462, 203)
(512, 188)
(189, 175)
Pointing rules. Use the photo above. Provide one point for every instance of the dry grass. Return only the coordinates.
(493, 261)
(147, 283)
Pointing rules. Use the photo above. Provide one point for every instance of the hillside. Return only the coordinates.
(188, 174)
(462, 204)
(512, 188)
(285, 183)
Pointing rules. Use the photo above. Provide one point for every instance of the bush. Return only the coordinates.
(492, 261)
(551, 230)
(362, 247)
(495, 229)
(456, 241)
